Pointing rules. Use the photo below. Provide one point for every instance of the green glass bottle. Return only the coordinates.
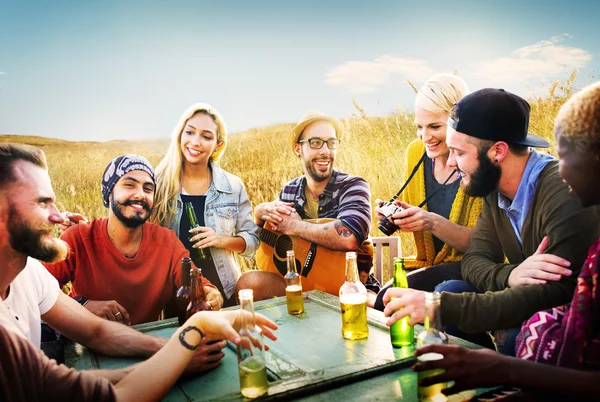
(401, 333)
(197, 254)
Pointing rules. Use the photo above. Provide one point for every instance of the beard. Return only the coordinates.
(138, 219)
(315, 174)
(485, 178)
(29, 241)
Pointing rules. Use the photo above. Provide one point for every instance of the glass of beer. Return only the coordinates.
(432, 392)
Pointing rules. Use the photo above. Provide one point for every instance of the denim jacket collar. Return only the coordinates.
(220, 181)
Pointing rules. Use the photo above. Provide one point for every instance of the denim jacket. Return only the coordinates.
(228, 212)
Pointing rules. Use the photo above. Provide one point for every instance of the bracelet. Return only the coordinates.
(184, 342)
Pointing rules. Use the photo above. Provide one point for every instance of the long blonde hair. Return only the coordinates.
(169, 170)
(441, 92)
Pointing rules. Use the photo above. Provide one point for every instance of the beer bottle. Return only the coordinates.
(293, 288)
(197, 296)
(432, 333)
(401, 333)
(197, 254)
(183, 293)
(251, 362)
(353, 302)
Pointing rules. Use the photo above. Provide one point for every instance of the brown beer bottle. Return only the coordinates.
(183, 293)
(197, 297)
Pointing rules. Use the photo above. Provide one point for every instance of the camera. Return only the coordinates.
(387, 209)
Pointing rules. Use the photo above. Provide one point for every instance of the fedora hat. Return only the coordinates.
(310, 117)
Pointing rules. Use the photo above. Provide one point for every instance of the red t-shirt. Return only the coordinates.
(99, 271)
(27, 375)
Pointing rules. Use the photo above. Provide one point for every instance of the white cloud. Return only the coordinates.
(368, 76)
(542, 60)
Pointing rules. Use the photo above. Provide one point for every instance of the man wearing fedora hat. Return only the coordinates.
(529, 242)
(322, 192)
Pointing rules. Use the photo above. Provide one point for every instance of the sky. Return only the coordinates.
(119, 69)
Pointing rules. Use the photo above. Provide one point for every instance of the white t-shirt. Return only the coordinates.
(8, 321)
(32, 293)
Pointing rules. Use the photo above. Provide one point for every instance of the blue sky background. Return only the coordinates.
(100, 70)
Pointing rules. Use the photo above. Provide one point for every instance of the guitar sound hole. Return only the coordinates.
(283, 244)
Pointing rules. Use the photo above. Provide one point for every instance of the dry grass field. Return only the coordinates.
(372, 147)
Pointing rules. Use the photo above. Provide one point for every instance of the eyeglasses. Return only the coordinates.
(317, 143)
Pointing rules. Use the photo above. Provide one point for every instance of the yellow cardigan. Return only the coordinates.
(464, 212)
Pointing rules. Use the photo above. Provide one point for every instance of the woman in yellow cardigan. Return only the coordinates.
(442, 226)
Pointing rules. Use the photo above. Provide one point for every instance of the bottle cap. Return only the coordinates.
(245, 294)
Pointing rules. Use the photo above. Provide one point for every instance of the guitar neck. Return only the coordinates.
(269, 238)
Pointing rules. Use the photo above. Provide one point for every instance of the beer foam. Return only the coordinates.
(429, 357)
(353, 298)
(293, 288)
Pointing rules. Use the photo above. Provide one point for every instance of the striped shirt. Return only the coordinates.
(346, 197)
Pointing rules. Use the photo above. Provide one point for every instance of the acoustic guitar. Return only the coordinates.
(321, 268)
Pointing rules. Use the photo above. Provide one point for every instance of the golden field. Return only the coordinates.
(372, 147)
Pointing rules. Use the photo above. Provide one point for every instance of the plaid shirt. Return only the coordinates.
(346, 197)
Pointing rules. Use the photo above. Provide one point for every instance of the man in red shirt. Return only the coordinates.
(121, 267)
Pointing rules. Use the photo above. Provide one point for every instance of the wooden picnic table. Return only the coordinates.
(310, 361)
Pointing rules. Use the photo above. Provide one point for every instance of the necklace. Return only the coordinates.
(130, 252)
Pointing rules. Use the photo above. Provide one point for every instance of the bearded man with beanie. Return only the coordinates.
(124, 268)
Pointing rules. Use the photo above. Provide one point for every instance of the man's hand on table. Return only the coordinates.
(109, 310)
(218, 325)
(207, 357)
(468, 368)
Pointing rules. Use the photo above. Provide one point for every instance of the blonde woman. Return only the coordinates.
(442, 226)
(189, 173)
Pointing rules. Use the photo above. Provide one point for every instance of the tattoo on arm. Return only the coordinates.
(184, 342)
(341, 229)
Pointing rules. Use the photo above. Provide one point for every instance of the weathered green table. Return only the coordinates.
(309, 361)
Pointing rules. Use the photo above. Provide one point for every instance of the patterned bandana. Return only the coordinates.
(118, 167)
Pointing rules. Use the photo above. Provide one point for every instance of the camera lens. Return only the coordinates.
(387, 227)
